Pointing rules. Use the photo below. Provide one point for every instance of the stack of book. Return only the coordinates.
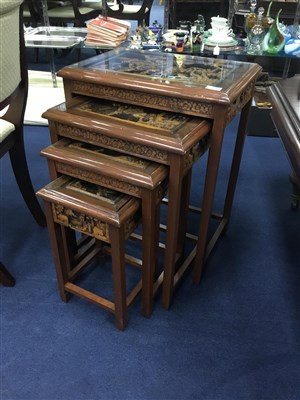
(106, 32)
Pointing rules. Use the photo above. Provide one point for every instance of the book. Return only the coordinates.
(109, 25)
(116, 21)
(109, 32)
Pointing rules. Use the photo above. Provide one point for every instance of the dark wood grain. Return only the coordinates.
(285, 98)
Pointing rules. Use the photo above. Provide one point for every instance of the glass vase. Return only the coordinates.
(274, 40)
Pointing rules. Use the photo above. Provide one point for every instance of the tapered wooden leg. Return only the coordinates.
(211, 175)
(184, 210)
(174, 207)
(236, 160)
(55, 236)
(150, 249)
(117, 239)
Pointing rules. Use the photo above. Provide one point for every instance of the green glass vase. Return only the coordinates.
(274, 40)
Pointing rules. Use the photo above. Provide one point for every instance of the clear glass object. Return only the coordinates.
(197, 33)
(250, 20)
(267, 21)
(256, 34)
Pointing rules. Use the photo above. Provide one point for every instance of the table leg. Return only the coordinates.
(56, 237)
(211, 177)
(150, 228)
(44, 10)
(184, 211)
(50, 53)
(213, 162)
(174, 205)
(236, 161)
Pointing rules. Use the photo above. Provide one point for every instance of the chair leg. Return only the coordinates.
(5, 277)
(20, 168)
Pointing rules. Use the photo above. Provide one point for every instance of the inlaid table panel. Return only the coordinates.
(105, 167)
(214, 89)
(148, 133)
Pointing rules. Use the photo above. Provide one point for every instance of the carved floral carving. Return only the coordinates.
(146, 99)
(111, 142)
(98, 179)
(237, 105)
(86, 224)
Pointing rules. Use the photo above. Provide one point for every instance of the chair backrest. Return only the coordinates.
(71, 11)
(140, 13)
(30, 14)
(10, 66)
(13, 72)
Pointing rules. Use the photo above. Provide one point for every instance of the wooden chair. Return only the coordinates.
(130, 12)
(31, 16)
(13, 97)
(78, 12)
(58, 13)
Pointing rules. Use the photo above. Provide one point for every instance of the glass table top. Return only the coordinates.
(160, 69)
(54, 37)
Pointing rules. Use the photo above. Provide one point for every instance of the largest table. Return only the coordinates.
(204, 87)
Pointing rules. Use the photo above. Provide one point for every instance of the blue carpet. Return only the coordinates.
(233, 337)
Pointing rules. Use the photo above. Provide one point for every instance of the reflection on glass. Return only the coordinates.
(145, 68)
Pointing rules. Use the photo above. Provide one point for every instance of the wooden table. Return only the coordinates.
(214, 89)
(285, 98)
